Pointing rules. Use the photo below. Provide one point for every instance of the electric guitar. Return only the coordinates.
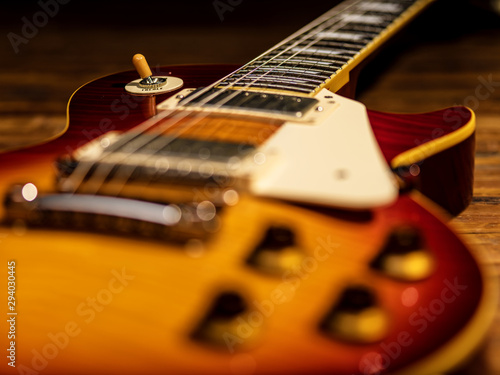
(222, 220)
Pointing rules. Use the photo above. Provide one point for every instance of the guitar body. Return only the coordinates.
(91, 303)
(431, 152)
(265, 286)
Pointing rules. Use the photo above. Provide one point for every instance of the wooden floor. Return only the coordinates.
(451, 55)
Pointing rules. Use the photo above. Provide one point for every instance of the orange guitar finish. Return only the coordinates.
(102, 303)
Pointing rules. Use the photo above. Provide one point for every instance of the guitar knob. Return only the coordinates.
(356, 317)
(404, 255)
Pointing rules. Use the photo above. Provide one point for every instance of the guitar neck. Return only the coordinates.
(322, 54)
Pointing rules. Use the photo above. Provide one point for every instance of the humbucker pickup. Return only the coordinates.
(245, 102)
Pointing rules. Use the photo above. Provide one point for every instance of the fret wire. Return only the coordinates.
(326, 44)
(278, 83)
(330, 70)
(313, 72)
(311, 32)
(312, 77)
(312, 26)
(294, 70)
(310, 61)
(298, 80)
(328, 53)
(315, 24)
(292, 80)
(365, 29)
(278, 86)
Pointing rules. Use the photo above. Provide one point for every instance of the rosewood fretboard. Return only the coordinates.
(323, 52)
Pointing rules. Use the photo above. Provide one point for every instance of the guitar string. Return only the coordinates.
(343, 47)
(103, 170)
(283, 62)
(314, 24)
(328, 22)
(124, 174)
